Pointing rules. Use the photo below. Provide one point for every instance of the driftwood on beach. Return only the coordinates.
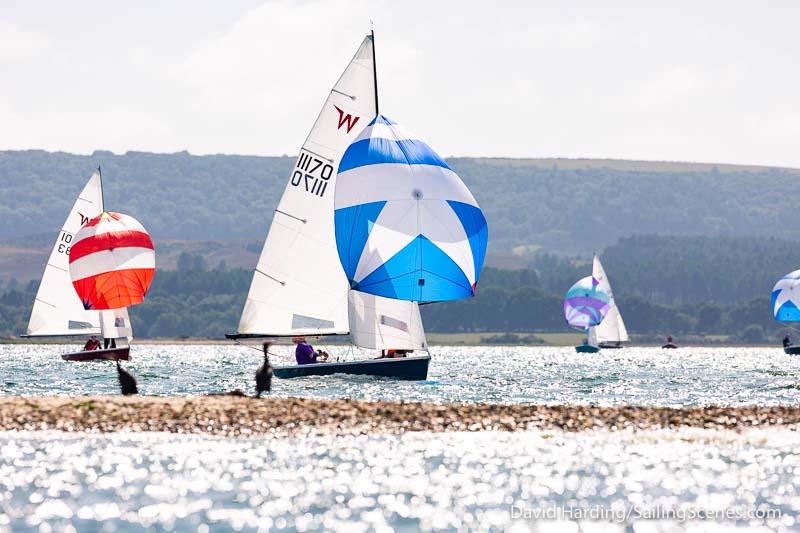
(242, 416)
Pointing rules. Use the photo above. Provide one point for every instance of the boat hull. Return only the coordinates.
(587, 348)
(111, 354)
(610, 346)
(792, 350)
(405, 368)
(669, 346)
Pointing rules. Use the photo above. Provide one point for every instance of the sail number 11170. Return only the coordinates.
(312, 174)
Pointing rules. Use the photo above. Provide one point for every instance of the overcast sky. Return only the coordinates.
(696, 81)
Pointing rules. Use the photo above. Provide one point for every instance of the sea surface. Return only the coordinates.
(685, 480)
(631, 376)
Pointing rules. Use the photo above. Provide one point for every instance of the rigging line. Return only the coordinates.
(259, 350)
(350, 96)
(270, 277)
(303, 220)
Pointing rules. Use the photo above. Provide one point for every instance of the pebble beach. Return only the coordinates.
(235, 416)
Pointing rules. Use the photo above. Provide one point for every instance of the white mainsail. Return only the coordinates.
(612, 328)
(57, 309)
(298, 286)
(382, 323)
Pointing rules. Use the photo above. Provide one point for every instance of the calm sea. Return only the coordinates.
(635, 376)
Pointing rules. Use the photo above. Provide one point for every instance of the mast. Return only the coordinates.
(374, 72)
(102, 194)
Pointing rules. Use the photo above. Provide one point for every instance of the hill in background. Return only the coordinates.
(554, 205)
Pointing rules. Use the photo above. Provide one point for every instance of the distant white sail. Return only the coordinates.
(57, 309)
(298, 286)
(612, 328)
(382, 323)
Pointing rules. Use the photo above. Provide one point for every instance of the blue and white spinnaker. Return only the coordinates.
(406, 225)
(786, 298)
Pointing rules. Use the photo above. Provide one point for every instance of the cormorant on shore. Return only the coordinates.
(127, 383)
(264, 374)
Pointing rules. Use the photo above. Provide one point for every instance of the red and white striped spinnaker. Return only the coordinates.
(112, 262)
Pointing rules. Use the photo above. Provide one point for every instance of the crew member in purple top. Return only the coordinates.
(305, 354)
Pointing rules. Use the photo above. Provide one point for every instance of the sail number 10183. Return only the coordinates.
(312, 174)
(64, 243)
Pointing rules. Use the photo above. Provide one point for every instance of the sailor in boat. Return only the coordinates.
(305, 353)
(109, 343)
(91, 344)
(787, 341)
(394, 354)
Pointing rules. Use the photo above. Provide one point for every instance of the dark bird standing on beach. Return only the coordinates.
(264, 375)
(127, 383)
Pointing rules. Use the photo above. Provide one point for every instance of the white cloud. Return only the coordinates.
(17, 44)
(682, 85)
(516, 79)
(75, 131)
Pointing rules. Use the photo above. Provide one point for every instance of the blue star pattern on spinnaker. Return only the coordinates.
(586, 304)
(406, 225)
(786, 298)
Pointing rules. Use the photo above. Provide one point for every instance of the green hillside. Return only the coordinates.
(564, 206)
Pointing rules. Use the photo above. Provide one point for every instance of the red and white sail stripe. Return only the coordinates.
(112, 262)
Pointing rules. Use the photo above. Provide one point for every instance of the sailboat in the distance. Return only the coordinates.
(87, 292)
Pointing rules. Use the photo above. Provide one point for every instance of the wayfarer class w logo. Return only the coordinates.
(346, 118)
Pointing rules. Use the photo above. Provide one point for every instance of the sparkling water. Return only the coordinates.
(654, 480)
(631, 376)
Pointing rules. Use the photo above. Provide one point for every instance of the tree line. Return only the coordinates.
(196, 301)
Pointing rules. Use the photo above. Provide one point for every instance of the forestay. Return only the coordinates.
(57, 309)
(298, 286)
(383, 323)
(786, 298)
(612, 328)
(406, 225)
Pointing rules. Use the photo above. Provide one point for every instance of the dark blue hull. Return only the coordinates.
(587, 348)
(792, 349)
(407, 368)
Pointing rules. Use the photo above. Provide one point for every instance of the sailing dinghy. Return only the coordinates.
(299, 286)
(786, 305)
(611, 332)
(68, 301)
